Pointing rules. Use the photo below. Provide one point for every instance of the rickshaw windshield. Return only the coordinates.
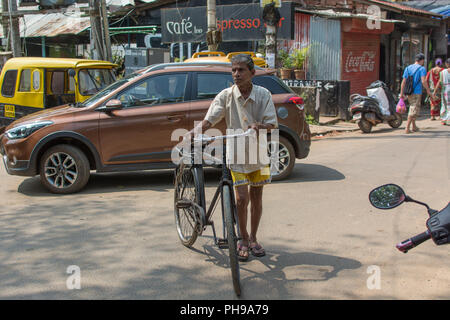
(92, 81)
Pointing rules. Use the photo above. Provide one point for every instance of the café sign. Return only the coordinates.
(237, 23)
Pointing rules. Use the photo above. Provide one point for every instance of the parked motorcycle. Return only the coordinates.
(377, 107)
(390, 196)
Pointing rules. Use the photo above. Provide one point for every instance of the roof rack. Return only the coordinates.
(163, 66)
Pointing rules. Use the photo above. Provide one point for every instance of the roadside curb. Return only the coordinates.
(334, 125)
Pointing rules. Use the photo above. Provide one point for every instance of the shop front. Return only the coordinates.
(361, 53)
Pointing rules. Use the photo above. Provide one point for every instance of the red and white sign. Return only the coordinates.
(364, 62)
(360, 60)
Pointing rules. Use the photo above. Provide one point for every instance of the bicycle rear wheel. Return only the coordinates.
(187, 217)
(229, 214)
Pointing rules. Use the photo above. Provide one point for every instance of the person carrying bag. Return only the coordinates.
(414, 77)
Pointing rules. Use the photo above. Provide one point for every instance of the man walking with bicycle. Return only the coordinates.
(245, 105)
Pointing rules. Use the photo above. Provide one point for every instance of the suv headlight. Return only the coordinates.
(25, 130)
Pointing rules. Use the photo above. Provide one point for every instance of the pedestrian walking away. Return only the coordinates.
(418, 73)
(444, 87)
(433, 77)
(245, 105)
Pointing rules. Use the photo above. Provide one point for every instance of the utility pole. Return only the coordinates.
(271, 17)
(100, 40)
(213, 37)
(5, 23)
(11, 27)
(106, 37)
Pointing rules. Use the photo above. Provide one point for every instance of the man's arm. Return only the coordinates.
(258, 126)
(200, 128)
(402, 89)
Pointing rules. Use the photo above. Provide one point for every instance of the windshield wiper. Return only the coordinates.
(77, 105)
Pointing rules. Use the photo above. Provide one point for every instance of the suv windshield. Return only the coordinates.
(103, 93)
(93, 80)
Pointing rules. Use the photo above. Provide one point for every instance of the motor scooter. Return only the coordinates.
(390, 196)
(377, 107)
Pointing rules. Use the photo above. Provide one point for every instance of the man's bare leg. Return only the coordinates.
(242, 200)
(256, 213)
(256, 210)
(408, 125)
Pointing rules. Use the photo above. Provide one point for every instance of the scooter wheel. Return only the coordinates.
(397, 122)
(365, 125)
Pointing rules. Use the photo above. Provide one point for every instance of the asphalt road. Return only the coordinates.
(322, 237)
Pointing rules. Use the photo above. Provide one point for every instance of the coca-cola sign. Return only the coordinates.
(364, 62)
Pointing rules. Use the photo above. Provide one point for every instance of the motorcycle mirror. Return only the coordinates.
(387, 196)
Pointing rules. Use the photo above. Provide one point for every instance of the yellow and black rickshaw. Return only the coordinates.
(31, 84)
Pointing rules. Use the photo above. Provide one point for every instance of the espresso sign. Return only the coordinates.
(237, 23)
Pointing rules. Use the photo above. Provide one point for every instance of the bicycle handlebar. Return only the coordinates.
(407, 245)
(204, 138)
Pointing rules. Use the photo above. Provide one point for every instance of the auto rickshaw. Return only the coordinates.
(30, 84)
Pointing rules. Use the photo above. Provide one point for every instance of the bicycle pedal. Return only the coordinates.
(183, 204)
(222, 243)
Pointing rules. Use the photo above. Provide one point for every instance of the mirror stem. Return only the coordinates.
(409, 199)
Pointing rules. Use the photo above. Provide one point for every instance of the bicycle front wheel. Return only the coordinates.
(228, 209)
(187, 217)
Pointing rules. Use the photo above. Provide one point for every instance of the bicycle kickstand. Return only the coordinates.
(221, 243)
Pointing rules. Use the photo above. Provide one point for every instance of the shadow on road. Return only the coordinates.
(271, 276)
(163, 180)
(308, 172)
(396, 133)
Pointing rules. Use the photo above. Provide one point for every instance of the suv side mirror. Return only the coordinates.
(111, 105)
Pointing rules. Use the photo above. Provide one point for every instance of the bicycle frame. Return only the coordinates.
(225, 179)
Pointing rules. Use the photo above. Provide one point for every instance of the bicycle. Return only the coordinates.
(191, 215)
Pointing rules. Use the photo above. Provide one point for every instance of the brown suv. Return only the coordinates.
(128, 125)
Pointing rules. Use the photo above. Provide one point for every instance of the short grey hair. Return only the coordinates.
(243, 58)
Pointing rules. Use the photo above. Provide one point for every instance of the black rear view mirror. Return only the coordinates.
(387, 196)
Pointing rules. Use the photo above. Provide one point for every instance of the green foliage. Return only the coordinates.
(299, 56)
(286, 59)
(310, 119)
(179, 60)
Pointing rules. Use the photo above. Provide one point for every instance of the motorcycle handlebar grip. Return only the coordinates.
(407, 245)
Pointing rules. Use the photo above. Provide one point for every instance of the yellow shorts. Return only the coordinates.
(256, 178)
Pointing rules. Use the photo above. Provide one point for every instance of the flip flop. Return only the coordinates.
(245, 249)
(257, 250)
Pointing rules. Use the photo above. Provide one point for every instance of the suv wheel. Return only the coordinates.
(286, 159)
(64, 169)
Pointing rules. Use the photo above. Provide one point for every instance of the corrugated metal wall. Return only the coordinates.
(302, 29)
(325, 51)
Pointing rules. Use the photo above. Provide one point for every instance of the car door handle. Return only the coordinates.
(175, 117)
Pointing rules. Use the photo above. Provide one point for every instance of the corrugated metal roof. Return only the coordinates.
(54, 24)
(51, 25)
(437, 6)
(405, 8)
(334, 14)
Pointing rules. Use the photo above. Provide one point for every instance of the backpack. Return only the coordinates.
(409, 85)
